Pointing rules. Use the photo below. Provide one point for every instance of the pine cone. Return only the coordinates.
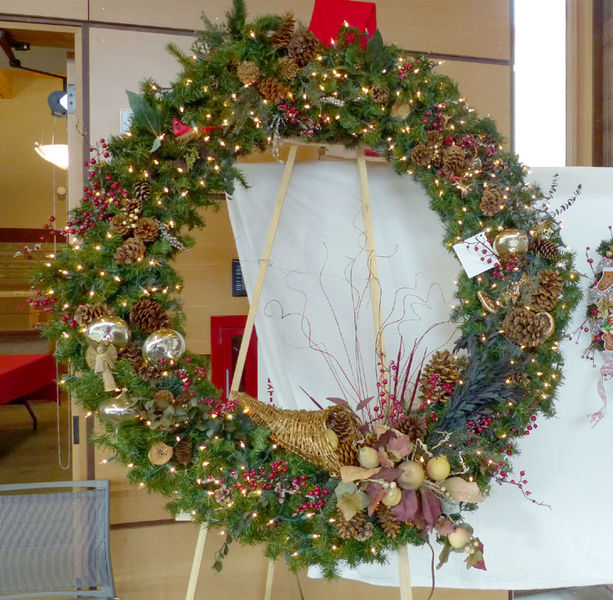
(492, 201)
(454, 160)
(283, 36)
(248, 72)
(273, 90)
(142, 191)
(549, 290)
(147, 229)
(439, 377)
(162, 399)
(413, 425)
(288, 68)
(223, 494)
(519, 378)
(527, 328)
(86, 313)
(379, 94)
(546, 248)
(343, 425)
(121, 224)
(357, 527)
(347, 453)
(148, 316)
(132, 353)
(303, 46)
(147, 371)
(434, 138)
(183, 452)
(131, 206)
(390, 525)
(422, 155)
(182, 399)
(131, 251)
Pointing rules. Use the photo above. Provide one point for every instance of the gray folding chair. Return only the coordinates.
(55, 543)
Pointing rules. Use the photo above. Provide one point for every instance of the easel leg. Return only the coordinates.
(193, 576)
(269, 577)
(404, 574)
(259, 284)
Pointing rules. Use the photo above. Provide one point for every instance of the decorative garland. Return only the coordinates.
(435, 449)
(599, 318)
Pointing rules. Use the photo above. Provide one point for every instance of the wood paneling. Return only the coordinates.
(67, 9)
(6, 85)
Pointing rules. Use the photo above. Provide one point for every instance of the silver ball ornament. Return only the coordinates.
(118, 410)
(164, 344)
(108, 330)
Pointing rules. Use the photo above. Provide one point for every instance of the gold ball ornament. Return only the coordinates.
(160, 453)
(368, 457)
(108, 330)
(438, 468)
(459, 537)
(164, 344)
(118, 410)
(393, 495)
(511, 243)
(412, 475)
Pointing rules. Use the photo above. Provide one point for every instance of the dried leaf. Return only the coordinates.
(476, 560)
(443, 557)
(350, 504)
(430, 506)
(362, 404)
(407, 509)
(384, 459)
(445, 526)
(375, 492)
(462, 490)
(389, 474)
(386, 437)
(345, 488)
(351, 473)
(400, 446)
(339, 401)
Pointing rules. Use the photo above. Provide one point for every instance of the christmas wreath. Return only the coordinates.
(317, 487)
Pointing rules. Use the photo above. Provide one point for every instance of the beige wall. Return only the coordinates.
(27, 189)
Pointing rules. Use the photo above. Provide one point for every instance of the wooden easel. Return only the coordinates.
(375, 295)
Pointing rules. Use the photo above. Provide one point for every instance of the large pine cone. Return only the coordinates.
(390, 525)
(303, 46)
(131, 251)
(439, 377)
(223, 494)
(248, 72)
(147, 229)
(288, 68)
(142, 191)
(379, 94)
(492, 201)
(86, 313)
(413, 425)
(132, 353)
(132, 206)
(148, 316)
(454, 160)
(549, 290)
(343, 425)
(422, 155)
(148, 371)
(183, 452)
(545, 248)
(283, 36)
(526, 327)
(357, 527)
(121, 224)
(273, 90)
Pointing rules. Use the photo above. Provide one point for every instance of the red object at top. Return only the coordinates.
(330, 15)
(179, 128)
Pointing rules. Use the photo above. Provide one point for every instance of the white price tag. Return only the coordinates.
(476, 254)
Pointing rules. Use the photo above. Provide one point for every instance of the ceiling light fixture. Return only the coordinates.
(56, 154)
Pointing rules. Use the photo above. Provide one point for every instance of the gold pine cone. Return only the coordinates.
(147, 229)
(273, 90)
(288, 68)
(248, 72)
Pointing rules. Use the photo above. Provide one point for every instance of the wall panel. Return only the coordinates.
(67, 9)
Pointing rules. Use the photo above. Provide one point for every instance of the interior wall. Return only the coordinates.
(27, 190)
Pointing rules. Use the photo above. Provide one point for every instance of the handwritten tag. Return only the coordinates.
(476, 254)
